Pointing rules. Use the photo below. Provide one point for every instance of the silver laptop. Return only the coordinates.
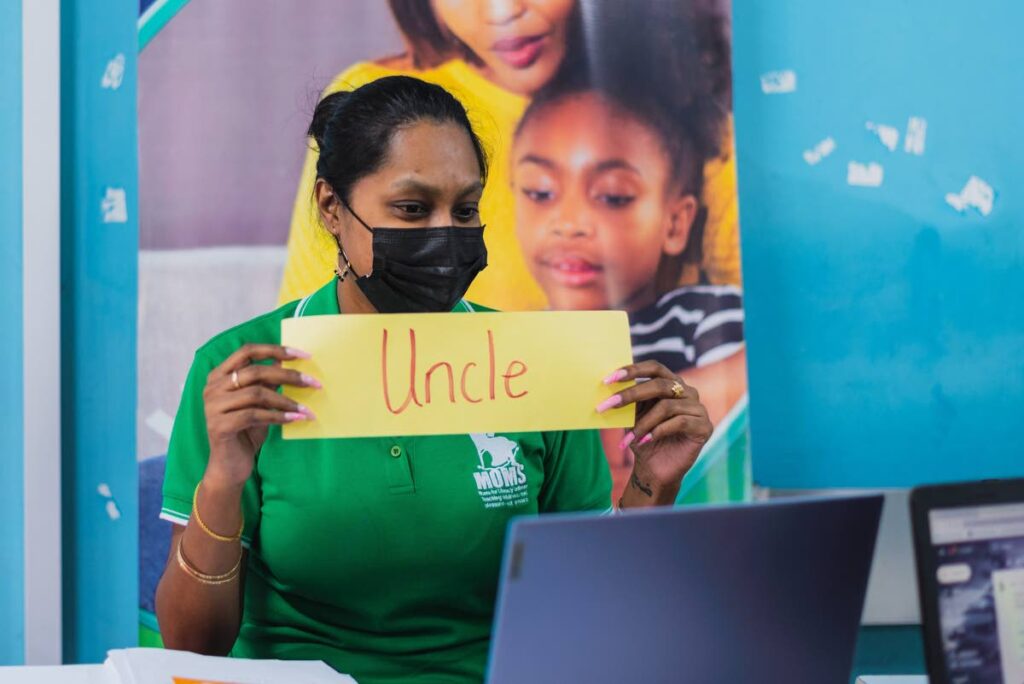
(764, 592)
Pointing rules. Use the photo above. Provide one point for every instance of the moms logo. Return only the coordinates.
(500, 478)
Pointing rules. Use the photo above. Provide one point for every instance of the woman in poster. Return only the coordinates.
(494, 56)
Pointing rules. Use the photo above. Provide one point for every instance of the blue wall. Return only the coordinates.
(885, 329)
(12, 607)
(99, 280)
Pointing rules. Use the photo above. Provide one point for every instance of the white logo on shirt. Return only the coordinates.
(500, 478)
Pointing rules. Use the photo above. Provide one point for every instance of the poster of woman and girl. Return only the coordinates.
(612, 179)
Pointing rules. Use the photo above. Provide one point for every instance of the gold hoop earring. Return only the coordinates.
(343, 272)
(338, 271)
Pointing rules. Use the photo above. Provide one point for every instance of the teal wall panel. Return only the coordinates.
(12, 557)
(99, 283)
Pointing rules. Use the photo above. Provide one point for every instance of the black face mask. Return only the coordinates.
(419, 270)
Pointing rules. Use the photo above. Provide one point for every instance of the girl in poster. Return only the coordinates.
(607, 171)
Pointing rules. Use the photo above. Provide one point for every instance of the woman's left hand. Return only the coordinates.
(671, 428)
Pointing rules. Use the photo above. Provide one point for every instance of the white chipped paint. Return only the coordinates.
(887, 135)
(917, 129)
(113, 75)
(778, 82)
(820, 151)
(868, 175)
(976, 194)
(114, 206)
(113, 512)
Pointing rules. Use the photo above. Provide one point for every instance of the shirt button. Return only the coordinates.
(396, 451)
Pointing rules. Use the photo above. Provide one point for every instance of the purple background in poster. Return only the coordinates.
(225, 94)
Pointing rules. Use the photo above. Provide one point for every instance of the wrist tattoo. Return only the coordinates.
(635, 482)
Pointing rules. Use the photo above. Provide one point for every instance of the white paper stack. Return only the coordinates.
(160, 666)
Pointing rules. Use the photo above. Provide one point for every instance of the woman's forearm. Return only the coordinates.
(193, 615)
(646, 489)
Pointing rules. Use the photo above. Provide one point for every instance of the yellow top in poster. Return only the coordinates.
(426, 374)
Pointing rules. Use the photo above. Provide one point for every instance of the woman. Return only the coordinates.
(494, 56)
(377, 556)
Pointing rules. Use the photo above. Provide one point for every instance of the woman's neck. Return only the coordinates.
(351, 299)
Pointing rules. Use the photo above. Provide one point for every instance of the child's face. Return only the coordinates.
(596, 207)
(520, 42)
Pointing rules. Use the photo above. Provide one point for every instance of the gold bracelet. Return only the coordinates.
(207, 530)
(203, 578)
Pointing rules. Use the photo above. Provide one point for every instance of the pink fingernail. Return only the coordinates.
(610, 402)
(615, 377)
(305, 411)
(298, 353)
(291, 416)
(647, 438)
(626, 441)
(310, 381)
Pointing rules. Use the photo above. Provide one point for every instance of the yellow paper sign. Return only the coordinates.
(429, 374)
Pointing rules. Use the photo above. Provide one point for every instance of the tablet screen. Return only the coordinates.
(978, 556)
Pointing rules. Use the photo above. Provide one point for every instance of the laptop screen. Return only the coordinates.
(978, 554)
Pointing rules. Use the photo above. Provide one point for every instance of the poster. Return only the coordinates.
(612, 176)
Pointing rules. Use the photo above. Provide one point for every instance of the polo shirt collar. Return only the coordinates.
(324, 302)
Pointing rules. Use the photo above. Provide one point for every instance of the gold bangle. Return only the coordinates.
(203, 578)
(207, 530)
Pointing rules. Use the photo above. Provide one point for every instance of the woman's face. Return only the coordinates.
(596, 207)
(520, 42)
(430, 178)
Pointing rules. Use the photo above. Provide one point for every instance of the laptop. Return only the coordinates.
(763, 592)
(969, 547)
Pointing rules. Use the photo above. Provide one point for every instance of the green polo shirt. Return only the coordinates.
(379, 556)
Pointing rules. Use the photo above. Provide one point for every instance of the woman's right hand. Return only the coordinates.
(241, 400)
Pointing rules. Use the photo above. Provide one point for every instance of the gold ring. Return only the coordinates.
(678, 390)
(234, 380)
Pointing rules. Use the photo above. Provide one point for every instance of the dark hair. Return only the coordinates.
(428, 43)
(714, 34)
(649, 61)
(353, 129)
